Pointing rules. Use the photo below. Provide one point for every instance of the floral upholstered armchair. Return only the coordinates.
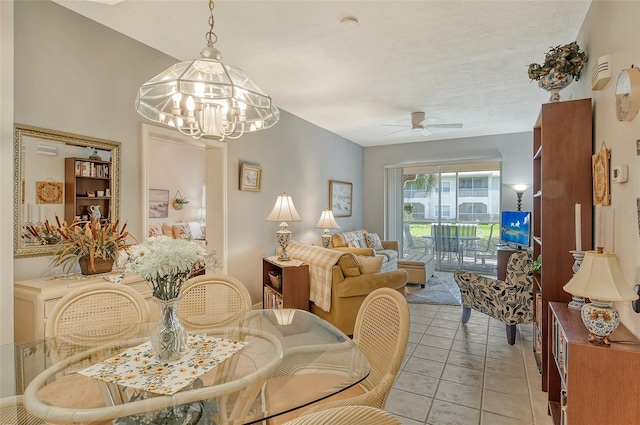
(510, 301)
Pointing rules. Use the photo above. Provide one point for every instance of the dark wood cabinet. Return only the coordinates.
(292, 291)
(562, 146)
(87, 182)
(597, 383)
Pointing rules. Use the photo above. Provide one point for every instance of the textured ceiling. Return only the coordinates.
(460, 61)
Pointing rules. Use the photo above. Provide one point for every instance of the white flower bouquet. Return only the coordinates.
(167, 263)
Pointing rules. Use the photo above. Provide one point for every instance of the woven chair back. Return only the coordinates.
(381, 332)
(211, 300)
(347, 415)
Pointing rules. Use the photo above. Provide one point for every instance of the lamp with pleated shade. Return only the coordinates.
(283, 211)
(326, 222)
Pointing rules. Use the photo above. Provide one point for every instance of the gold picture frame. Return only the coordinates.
(250, 177)
(340, 198)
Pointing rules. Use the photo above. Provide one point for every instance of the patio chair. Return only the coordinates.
(510, 301)
(446, 241)
(483, 249)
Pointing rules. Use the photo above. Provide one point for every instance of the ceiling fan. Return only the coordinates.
(422, 124)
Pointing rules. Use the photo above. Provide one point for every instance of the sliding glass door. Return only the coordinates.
(452, 212)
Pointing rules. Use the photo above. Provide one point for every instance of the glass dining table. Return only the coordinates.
(233, 371)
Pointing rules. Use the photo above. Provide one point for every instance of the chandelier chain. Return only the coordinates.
(210, 35)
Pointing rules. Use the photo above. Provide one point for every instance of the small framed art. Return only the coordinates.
(340, 198)
(158, 203)
(250, 177)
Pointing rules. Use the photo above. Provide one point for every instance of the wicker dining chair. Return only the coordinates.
(85, 311)
(347, 415)
(211, 300)
(12, 412)
(381, 332)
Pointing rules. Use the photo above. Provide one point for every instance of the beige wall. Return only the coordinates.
(611, 28)
(82, 78)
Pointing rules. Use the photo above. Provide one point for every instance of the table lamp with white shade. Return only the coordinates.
(283, 211)
(326, 222)
(600, 279)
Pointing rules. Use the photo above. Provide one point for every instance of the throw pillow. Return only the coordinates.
(349, 265)
(373, 241)
(155, 229)
(368, 264)
(167, 230)
(353, 244)
(182, 231)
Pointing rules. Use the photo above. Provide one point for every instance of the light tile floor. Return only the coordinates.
(455, 374)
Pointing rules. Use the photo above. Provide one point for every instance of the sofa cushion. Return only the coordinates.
(348, 265)
(368, 265)
(389, 254)
(356, 237)
(373, 241)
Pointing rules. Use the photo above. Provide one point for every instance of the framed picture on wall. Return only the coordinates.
(250, 177)
(158, 203)
(340, 198)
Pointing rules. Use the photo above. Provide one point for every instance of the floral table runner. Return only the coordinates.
(137, 368)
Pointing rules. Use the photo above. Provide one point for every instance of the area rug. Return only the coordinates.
(441, 289)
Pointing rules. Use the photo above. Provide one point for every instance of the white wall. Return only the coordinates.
(177, 167)
(516, 151)
(611, 27)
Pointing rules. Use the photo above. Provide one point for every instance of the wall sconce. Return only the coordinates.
(283, 211)
(326, 222)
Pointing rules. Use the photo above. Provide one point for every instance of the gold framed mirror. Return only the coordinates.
(58, 174)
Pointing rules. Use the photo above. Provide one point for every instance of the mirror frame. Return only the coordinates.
(21, 130)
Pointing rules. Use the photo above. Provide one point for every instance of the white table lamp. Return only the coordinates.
(283, 211)
(600, 279)
(326, 222)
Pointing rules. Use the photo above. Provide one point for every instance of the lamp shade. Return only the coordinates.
(327, 221)
(284, 210)
(600, 278)
(519, 187)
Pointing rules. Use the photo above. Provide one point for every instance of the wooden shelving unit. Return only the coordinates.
(294, 287)
(598, 384)
(562, 149)
(83, 176)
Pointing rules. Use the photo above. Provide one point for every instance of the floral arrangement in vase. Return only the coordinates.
(562, 64)
(562, 61)
(90, 242)
(166, 264)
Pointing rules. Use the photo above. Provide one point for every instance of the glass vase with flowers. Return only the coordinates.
(166, 264)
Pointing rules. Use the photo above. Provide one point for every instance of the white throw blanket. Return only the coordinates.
(321, 262)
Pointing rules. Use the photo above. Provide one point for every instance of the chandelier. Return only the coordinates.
(206, 98)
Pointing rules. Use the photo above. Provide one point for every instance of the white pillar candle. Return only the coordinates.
(598, 229)
(578, 227)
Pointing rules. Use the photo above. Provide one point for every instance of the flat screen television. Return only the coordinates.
(515, 228)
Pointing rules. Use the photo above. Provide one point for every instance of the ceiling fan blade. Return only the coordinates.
(429, 121)
(397, 131)
(425, 131)
(396, 125)
(452, 125)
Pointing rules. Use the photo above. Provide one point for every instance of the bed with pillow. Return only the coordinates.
(361, 242)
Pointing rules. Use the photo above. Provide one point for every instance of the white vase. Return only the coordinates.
(553, 84)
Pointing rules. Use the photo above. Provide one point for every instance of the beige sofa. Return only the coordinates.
(351, 280)
(355, 242)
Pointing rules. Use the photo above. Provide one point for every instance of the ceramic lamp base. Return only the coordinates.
(600, 319)
(326, 239)
(284, 236)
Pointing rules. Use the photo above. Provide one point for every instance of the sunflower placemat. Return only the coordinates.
(137, 368)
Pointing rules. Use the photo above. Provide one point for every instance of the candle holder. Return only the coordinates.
(576, 301)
